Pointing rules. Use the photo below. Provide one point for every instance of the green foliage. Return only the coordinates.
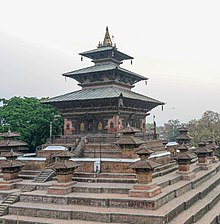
(171, 128)
(208, 126)
(30, 118)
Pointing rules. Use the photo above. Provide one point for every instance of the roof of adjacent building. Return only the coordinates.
(186, 155)
(10, 164)
(145, 164)
(103, 67)
(11, 154)
(91, 53)
(144, 150)
(129, 129)
(9, 134)
(65, 153)
(102, 93)
(130, 140)
(183, 137)
(11, 143)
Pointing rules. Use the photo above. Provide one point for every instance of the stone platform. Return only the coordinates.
(110, 203)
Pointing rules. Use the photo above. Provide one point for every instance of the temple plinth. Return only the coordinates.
(64, 172)
(184, 158)
(144, 168)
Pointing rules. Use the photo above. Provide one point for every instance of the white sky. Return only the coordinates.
(175, 44)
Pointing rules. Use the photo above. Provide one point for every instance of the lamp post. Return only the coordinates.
(100, 153)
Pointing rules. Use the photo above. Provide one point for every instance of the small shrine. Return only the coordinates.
(10, 169)
(203, 153)
(11, 155)
(127, 142)
(184, 158)
(9, 142)
(64, 172)
(144, 168)
(183, 137)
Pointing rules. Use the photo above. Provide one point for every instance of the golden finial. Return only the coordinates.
(107, 40)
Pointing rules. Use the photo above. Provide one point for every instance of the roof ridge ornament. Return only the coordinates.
(107, 42)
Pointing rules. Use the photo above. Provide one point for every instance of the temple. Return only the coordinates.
(106, 103)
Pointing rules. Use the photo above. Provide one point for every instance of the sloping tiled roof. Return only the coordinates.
(11, 154)
(10, 163)
(9, 134)
(101, 93)
(91, 53)
(145, 164)
(129, 141)
(144, 150)
(129, 129)
(66, 154)
(8, 143)
(101, 68)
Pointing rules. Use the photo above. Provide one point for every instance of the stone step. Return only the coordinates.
(84, 213)
(84, 187)
(212, 216)
(169, 193)
(104, 180)
(105, 175)
(197, 210)
(14, 219)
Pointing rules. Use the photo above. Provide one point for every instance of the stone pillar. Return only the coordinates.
(144, 168)
(10, 170)
(144, 177)
(184, 159)
(64, 172)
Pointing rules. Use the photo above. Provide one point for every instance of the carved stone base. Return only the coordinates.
(61, 188)
(205, 166)
(186, 175)
(145, 190)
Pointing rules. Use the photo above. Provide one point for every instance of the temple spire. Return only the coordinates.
(107, 39)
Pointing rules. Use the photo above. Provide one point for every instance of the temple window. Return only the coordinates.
(111, 124)
(100, 126)
(82, 127)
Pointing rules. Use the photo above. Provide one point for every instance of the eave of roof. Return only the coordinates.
(101, 93)
(101, 68)
(90, 53)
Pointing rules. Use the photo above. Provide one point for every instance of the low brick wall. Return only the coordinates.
(107, 167)
(34, 165)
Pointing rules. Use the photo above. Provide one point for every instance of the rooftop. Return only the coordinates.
(102, 93)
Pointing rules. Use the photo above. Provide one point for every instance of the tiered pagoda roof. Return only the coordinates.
(106, 79)
(8, 142)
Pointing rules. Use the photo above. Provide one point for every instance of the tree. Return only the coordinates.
(30, 118)
(171, 129)
(208, 126)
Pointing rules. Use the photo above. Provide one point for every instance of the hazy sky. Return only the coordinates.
(175, 43)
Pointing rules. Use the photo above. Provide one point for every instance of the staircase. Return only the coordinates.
(44, 176)
(8, 201)
(28, 188)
